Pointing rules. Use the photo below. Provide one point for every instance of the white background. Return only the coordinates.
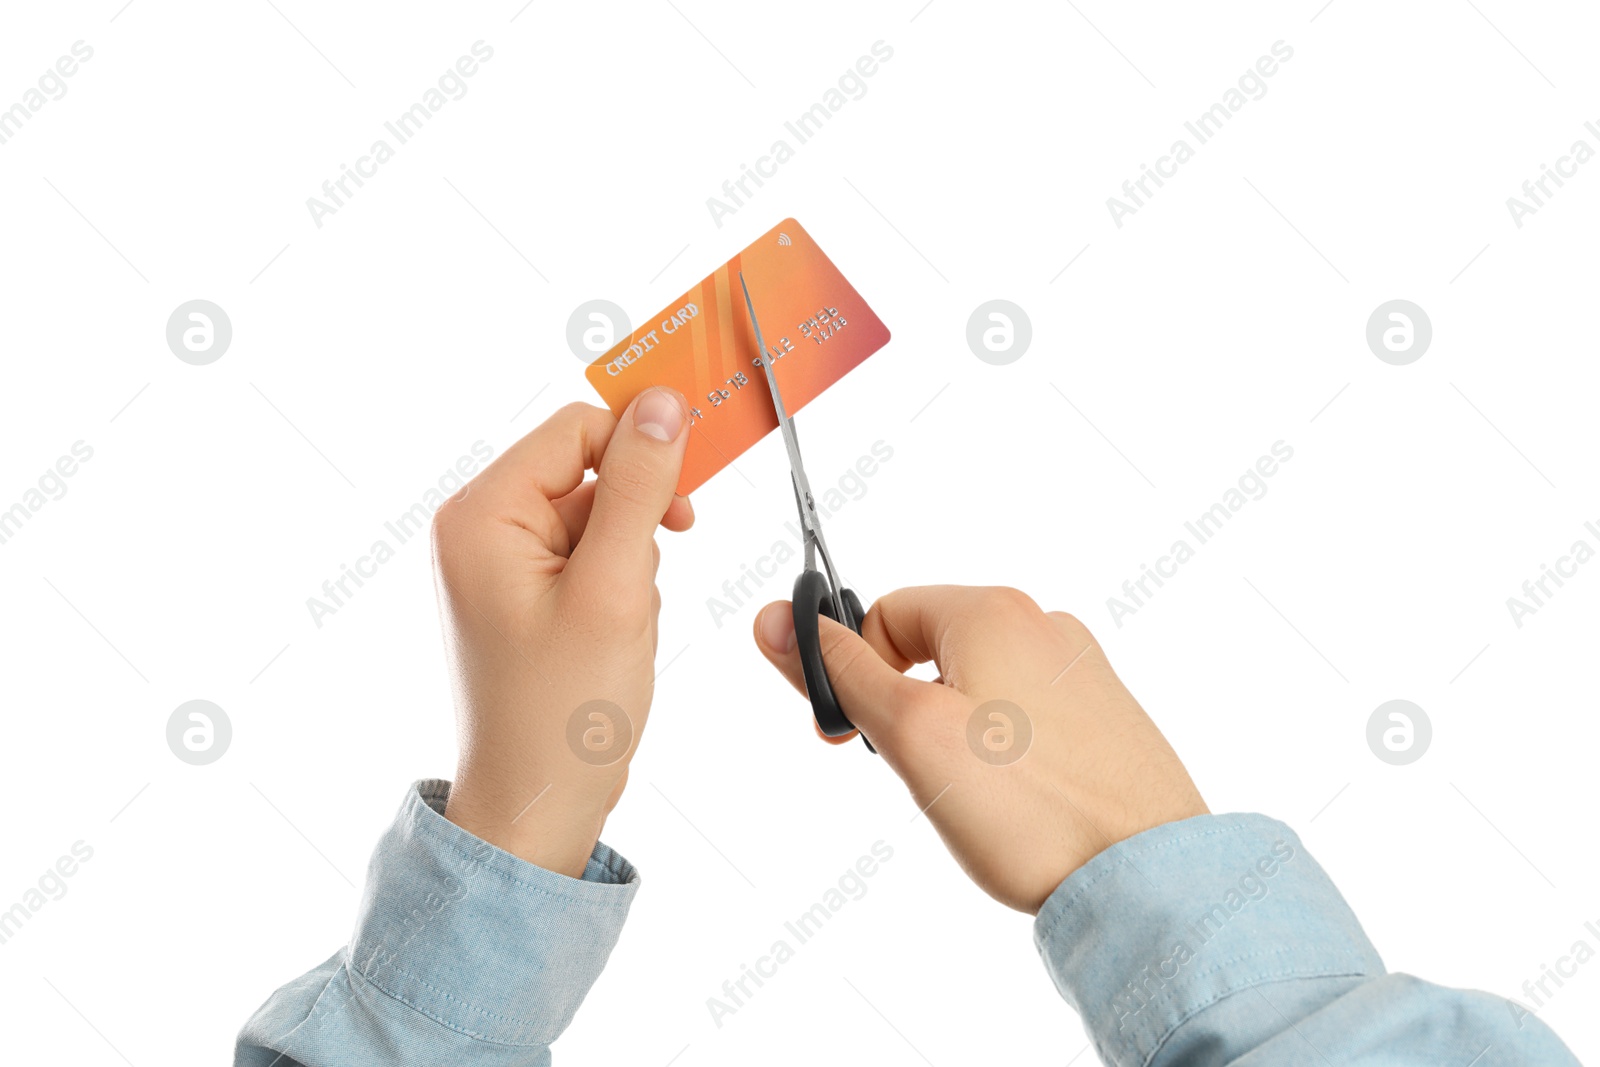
(430, 313)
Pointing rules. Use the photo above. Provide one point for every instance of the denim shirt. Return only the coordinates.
(1215, 940)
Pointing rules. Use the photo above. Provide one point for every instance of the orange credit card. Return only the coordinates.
(816, 327)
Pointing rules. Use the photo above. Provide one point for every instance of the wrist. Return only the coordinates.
(554, 827)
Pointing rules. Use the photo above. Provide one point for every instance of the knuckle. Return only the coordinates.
(452, 535)
(575, 411)
(1071, 625)
(581, 420)
(1012, 602)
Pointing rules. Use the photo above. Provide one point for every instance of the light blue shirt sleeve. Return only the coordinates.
(462, 954)
(1219, 940)
(1215, 940)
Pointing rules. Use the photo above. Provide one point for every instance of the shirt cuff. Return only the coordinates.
(477, 939)
(1156, 929)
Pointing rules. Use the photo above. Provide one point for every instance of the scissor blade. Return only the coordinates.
(791, 442)
(797, 469)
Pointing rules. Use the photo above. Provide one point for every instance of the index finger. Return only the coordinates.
(907, 626)
(548, 463)
(957, 627)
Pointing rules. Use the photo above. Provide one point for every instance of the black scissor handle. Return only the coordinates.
(812, 599)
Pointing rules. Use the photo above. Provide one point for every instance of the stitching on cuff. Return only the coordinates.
(1340, 959)
(489, 860)
(613, 863)
(1249, 984)
(530, 1024)
(489, 864)
(446, 1023)
(1124, 858)
(1127, 854)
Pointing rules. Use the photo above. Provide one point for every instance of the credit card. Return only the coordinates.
(816, 326)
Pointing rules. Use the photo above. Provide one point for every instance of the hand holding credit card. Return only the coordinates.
(703, 344)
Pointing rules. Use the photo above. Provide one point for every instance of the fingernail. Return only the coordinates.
(777, 628)
(659, 413)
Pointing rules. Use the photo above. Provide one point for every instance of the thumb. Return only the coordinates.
(872, 693)
(638, 475)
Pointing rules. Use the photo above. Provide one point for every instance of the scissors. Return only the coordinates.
(816, 593)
